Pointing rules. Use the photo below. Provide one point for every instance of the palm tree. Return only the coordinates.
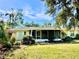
(15, 18)
(11, 18)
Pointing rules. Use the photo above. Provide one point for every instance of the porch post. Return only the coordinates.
(31, 32)
(61, 34)
(47, 34)
(40, 34)
(36, 34)
(54, 33)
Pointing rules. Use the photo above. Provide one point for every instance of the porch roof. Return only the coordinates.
(37, 28)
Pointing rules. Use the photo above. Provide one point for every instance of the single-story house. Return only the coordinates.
(38, 33)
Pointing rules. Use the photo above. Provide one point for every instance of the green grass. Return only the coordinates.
(54, 51)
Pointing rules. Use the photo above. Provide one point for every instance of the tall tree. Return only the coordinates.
(68, 10)
(11, 19)
(3, 38)
(15, 18)
(19, 16)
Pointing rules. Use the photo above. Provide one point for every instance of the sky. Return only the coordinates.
(33, 10)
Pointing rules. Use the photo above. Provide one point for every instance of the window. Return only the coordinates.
(24, 33)
(38, 34)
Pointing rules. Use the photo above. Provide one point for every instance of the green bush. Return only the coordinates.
(12, 41)
(28, 40)
(67, 39)
(16, 45)
(8, 45)
(4, 40)
(77, 36)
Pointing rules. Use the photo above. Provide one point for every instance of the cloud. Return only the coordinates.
(36, 14)
(43, 16)
(2, 11)
(28, 12)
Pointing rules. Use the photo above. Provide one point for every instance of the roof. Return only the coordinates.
(36, 28)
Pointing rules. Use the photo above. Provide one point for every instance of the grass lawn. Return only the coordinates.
(54, 51)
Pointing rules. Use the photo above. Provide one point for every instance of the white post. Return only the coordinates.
(47, 33)
(31, 32)
(40, 34)
(60, 33)
(54, 33)
(36, 34)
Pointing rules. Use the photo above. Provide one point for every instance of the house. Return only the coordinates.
(38, 33)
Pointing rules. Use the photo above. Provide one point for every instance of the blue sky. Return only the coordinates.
(34, 10)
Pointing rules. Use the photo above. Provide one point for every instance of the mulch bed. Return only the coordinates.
(3, 51)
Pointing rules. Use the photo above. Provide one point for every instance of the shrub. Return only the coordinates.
(4, 38)
(77, 36)
(67, 39)
(12, 41)
(33, 41)
(28, 40)
(16, 45)
(7, 45)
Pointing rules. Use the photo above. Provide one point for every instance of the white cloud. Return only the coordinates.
(39, 15)
(43, 16)
(2, 11)
(30, 13)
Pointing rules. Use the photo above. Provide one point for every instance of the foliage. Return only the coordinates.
(15, 18)
(7, 45)
(67, 39)
(28, 40)
(66, 12)
(12, 41)
(3, 38)
(77, 36)
(32, 24)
